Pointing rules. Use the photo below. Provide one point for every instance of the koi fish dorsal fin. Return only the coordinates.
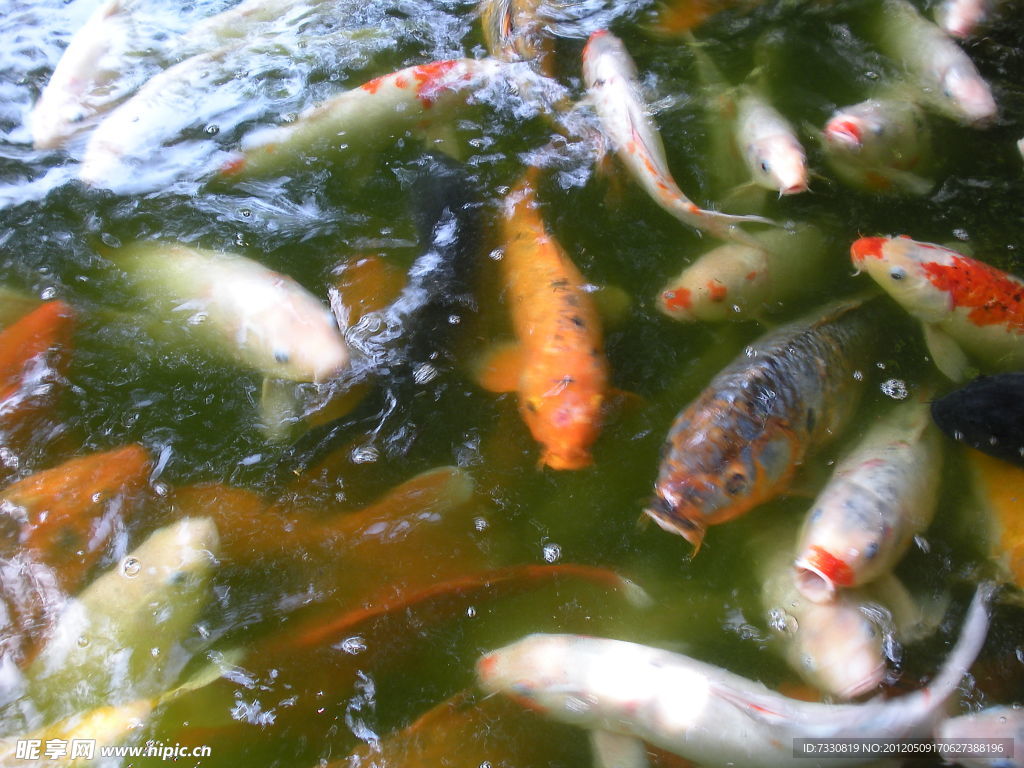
(499, 369)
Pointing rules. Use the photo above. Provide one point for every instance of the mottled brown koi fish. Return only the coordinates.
(739, 443)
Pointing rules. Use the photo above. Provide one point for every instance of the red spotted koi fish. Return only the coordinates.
(967, 307)
(361, 118)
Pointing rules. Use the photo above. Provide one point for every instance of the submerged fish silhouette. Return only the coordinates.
(987, 414)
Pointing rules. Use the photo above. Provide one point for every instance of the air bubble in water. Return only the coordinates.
(131, 567)
(552, 552)
(895, 388)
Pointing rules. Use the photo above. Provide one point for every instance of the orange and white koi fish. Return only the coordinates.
(769, 145)
(704, 713)
(740, 442)
(363, 117)
(881, 495)
(561, 373)
(737, 282)
(947, 78)
(968, 308)
(610, 75)
(882, 144)
(239, 309)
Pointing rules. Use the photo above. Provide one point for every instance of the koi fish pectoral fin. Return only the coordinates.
(619, 401)
(499, 369)
(747, 196)
(947, 354)
(280, 409)
(617, 750)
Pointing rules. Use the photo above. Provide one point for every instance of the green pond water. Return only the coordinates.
(199, 415)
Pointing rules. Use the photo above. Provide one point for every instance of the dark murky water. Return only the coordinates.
(199, 415)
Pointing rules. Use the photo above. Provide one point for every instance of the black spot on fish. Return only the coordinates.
(736, 483)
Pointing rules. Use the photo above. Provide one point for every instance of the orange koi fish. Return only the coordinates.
(70, 513)
(739, 443)
(610, 75)
(33, 359)
(965, 305)
(999, 487)
(562, 371)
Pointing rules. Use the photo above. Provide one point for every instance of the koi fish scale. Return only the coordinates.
(739, 443)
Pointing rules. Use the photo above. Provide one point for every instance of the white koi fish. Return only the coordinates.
(949, 81)
(834, 646)
(769, 145)
(881, 144)
(881, 495)
(736, 281)
(85, 81)
(122, 637)
(219, 87)
(966, 305)
(704, 713)
(363, 117)
(610, 75)
(239, 308)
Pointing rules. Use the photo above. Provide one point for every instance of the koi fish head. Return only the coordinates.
(891, 133)
(566, 423)
(778, 162)
(710, 478)
(969, 92)
(902, 267)
(530, 671)
(293, 338)
(605, 58)
(840, 648)
(819, 573)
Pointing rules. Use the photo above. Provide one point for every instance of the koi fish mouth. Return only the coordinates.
(818, 575)
(845, 132)
(662, 514)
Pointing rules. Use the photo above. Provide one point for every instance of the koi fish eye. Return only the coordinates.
(871, 550)
(281, 356)
(764, 166)
(736, 483)
(897, 273)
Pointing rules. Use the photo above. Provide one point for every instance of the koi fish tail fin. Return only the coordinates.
(968, 646)
(726, 225)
